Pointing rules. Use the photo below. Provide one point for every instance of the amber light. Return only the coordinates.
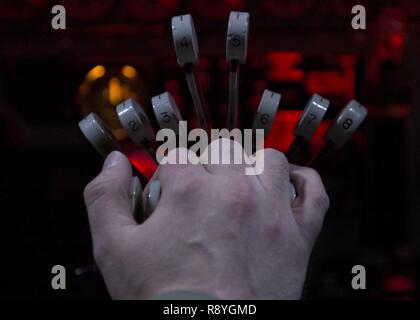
(129, 72)
(96, 73)
(104, 87)
(115, 91)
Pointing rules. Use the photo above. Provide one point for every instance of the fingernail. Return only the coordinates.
(112, 160)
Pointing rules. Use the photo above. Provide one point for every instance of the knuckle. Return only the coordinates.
(319, 198)
(186, 182)
(240, 195)
(277, 158)
(177, 155)
(92, 191)
(311, 174)
(281, 158)
(321, 201)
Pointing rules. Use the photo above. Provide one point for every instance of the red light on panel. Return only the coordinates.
(325, 82)
(399, 283)
(281, 134)
(331, 83)
(397, 39)
(139, 158)
(283, 66)
(334, 82)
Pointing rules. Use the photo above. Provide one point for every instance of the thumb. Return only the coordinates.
(107, 197)
(312, 201)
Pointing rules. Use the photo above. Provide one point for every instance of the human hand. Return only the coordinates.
(215, 229)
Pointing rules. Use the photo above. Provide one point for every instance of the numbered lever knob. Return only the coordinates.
(98, 134)
(346, 123)
(237, 37)
(187, 54)
(309, 121)
(266, 112)
(185, 40)
(166, 111)
(135, 122)
(137, 125)
(236, 52)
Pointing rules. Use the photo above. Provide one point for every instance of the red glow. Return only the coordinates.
(139, 158)
(283, 66)
(334, 82)
(399, 283)
(325, 82)
(281, 134)
(397, 39)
